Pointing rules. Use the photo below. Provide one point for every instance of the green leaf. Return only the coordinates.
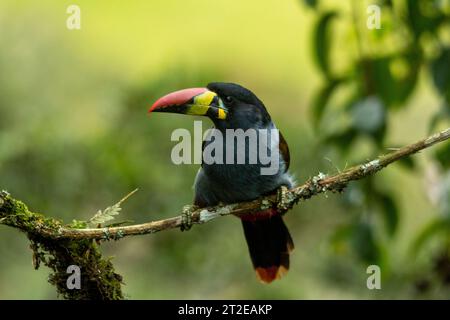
(436, 227)
(415, 17)
(443, 156)
(339, 239)
(110, 212)
(442, 114)
(440, 70)
(322, 39)
(407, 162)
(378, 77)
(343, 140)
(106, 215)
(322, 97)
(77, 224)
(311, 3)
(364, 243)
(390, 213)
(420, 22)
(387, 3)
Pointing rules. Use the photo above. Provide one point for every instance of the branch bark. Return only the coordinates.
(314, 186)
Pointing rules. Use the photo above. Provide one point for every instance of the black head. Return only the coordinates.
(228, 105)
(244, 109)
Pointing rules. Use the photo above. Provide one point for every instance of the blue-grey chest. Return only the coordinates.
(244, 167)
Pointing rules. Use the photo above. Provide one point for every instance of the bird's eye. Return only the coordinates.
(228, 99)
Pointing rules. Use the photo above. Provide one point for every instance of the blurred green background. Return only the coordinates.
(75, 138)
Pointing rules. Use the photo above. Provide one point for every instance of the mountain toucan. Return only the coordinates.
(231, 106)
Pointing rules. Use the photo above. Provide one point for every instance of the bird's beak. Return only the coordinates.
(194, 101)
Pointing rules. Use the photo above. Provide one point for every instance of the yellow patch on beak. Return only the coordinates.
(201, 104)
(197, 110)
(221, 114)
(204, 99)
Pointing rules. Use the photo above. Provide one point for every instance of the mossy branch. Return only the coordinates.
(99, 280)
(59, 245)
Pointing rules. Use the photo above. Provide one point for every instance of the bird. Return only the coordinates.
(231, 106)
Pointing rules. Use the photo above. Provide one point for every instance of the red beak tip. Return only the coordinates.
(176, 98)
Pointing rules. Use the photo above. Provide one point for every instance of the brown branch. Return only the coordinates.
(314, 186)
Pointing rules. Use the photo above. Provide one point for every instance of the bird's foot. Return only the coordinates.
(284, 202)
(186, 217)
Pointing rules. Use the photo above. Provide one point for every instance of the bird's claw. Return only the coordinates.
(186, 217)
(283, 199)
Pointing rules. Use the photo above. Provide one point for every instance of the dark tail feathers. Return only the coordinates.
(269, 244)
